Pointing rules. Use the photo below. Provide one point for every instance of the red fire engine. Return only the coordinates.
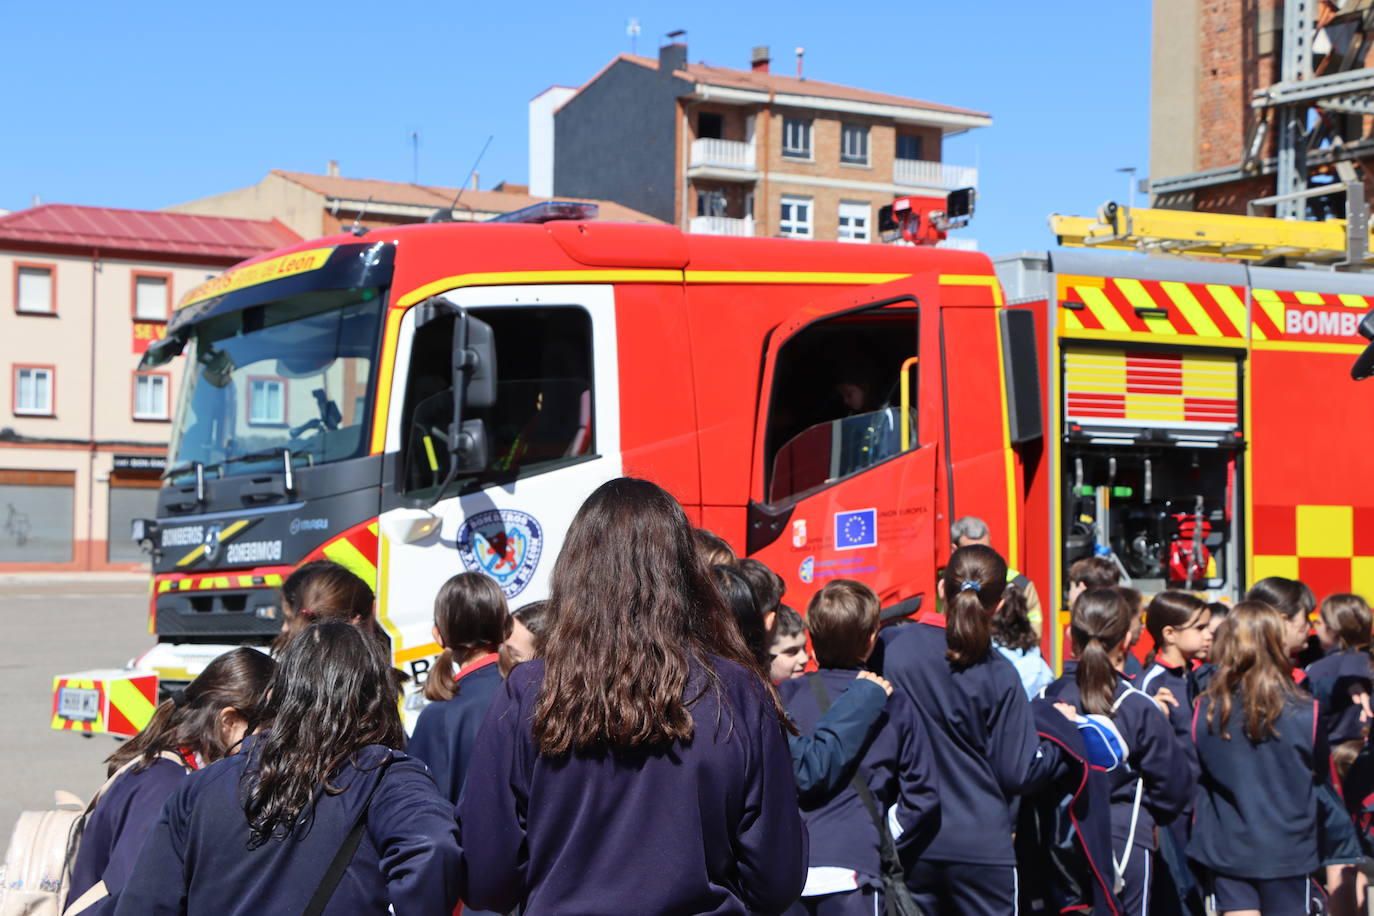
(421, 400)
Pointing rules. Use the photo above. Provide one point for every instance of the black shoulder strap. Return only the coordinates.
(334, 874)
(888, 851)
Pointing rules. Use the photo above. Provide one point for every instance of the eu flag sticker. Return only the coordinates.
(856, 529)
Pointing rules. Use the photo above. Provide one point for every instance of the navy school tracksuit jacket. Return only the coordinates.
(896, 766)
(1064, 830)
(709, 825)
(821, 757)
(197, 860)
(446, 731)
(116, 829)
(1181, 684)
(982, 739)
(1331, 679)
(1257, 807)
(1156, 756)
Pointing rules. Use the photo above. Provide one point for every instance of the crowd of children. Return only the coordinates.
(665, 734)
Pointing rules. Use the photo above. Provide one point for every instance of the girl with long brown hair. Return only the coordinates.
(1155, 782)
(471, 621)
(194, 727)
(320, 801)
(640, 765)
(982, 737)
(1263, 760)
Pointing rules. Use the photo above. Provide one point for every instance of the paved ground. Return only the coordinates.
(56, 626)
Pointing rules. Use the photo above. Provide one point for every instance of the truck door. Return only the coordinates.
(844, 461)
(552, 437)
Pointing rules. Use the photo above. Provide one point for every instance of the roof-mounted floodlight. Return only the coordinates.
(547, 211)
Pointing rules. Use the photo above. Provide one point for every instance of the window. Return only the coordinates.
(151, 297)
(267, 402)
(710, 125)
(794, 217)
(908, 146)
(854, 144)
(796, 138)
(854, 221)
(833, 410)
(544, 410)
(150, 396)
(33, 391)
(33, 289)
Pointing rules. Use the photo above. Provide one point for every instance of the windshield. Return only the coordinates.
(293, 374)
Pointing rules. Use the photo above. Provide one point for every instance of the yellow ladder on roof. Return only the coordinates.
(1215, 235)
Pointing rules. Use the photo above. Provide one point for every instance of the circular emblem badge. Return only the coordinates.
(503, 543)
(211, 543)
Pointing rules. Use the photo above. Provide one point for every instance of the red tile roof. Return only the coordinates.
(791, 85)
(422, 195)
(182, 235)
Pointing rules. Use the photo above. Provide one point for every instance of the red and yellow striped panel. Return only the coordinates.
(355, 549)
(132, 702)
(1285, 315)
(1121, 388)
(261, 577)
(1116, 308)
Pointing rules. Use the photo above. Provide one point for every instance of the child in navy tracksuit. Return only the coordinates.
(982, 735)
(1343, 678)
(257, 832)
(470, 621)
(1155, 782)
(195, 727)
(845, 866)
(1263, 760)
(1180, 624)
(639, 765)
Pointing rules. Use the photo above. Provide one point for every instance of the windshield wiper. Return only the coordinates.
(286, 456)
(199, 468)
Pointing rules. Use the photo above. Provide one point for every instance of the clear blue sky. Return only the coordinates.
(152, 103)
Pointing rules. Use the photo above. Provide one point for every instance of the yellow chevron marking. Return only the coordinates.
(1135, 294)
(1103, 310)
(1192, 310)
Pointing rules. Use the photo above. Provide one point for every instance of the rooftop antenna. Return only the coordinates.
(800, 53)
(445, 214)
(356, 228)
(415, 155)
(632, 29)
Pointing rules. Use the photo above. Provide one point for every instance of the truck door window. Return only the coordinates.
(835, 407)
(542, 418)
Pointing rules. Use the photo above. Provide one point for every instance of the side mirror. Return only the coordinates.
(478, 359)
(1364, 363)
(161, 352)
(470, 450)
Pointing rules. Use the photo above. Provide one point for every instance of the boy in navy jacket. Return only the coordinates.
(844, 874)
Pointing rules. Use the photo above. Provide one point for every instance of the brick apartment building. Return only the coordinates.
(1211, 147)
(318, 205)
(742, 152)
(84, 436)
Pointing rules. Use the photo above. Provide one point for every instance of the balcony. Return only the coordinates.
(919, 173)
(727, 160)
(721, 225)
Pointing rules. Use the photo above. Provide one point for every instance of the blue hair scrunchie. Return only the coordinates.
(970, 586)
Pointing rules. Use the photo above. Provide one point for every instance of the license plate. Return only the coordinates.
(80, 704)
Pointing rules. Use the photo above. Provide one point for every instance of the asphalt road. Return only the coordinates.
(49, 628)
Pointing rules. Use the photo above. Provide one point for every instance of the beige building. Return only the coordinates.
(84, 440)
(746, 152)
(319, 205)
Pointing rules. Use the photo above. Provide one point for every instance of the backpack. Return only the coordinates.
(1107, 749)
(36, 873)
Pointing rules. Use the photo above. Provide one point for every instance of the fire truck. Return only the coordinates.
(418, 401)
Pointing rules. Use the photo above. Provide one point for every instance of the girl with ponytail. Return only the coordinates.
(981, 733)
(471, 621)
(1154, 783)
(195, 726)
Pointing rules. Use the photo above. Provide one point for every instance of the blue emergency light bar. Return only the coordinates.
(547, 211)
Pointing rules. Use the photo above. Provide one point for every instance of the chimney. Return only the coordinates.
(800, 53)
(759, 59)
(331, 168)
(673, 56)
(475, 176)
